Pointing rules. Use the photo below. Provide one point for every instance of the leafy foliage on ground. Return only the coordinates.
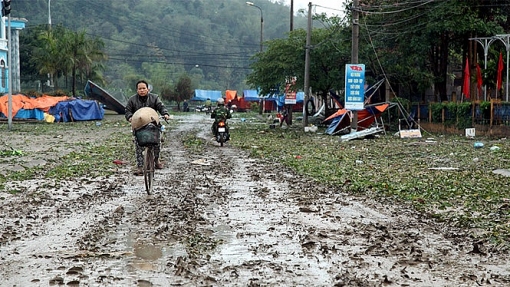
(443, 176)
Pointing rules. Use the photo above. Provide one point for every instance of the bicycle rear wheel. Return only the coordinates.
(148, 169)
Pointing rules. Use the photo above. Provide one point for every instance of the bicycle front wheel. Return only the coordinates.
(148, 169)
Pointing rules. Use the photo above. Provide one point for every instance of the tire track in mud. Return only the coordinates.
(261, 246)
(52, 222)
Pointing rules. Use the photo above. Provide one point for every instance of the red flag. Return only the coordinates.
(500, 70)
(479, 80)
(479, 76)
(465, 88)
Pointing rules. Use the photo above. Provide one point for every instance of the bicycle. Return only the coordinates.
(150, 136)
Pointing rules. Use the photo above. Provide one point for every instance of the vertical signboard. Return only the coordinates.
(354, 86)
(290, 92)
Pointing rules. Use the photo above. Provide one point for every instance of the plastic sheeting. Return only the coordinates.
(30, 114)
(20, 101)
(77, 110)
(203, 95)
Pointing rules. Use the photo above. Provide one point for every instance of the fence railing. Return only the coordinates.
(487, 115)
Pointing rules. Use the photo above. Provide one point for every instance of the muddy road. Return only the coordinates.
(219, 218)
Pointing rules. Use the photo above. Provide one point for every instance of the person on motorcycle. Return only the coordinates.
(144, 98)
(220, 113)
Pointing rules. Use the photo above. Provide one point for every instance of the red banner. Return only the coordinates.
(500, 70)
(290, 93)
(479, 80)
(465, 88)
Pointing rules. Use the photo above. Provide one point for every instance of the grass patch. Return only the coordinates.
(192, 142)
(88, 158)
(94, 160)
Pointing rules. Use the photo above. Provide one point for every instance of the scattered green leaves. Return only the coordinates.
(192, 142)
(391, 168)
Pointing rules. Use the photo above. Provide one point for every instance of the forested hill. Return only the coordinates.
(210, 40)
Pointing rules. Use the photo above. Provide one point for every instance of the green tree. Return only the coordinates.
(91, 66)
(68, 53)
(183, 89)
(82, 56)
(285, 58)
(28, 43)
(47, 54)
(168, 94)
(418, 45)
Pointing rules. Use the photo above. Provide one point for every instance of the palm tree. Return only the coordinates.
(46, 54)
(71, 53)
(83, 56)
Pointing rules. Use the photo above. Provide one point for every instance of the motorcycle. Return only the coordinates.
(202, 109)
(222, 134)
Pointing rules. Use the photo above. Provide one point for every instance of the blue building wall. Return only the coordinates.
(16, 25)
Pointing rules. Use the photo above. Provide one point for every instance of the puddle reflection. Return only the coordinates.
(148, 252)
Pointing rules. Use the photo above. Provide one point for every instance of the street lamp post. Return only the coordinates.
(485, 44)
(505, 38)
(261, 22)
(49, 13)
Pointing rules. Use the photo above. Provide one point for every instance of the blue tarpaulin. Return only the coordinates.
(77, 110)
(335, 124)
(203, 95)
(251, 95)
(30, 114)
(280, 100)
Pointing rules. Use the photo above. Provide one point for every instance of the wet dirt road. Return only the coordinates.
(219, 218)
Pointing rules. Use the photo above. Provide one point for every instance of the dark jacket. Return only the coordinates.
(220, 113)
(136, 102)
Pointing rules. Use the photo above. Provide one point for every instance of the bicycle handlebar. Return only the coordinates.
(163, 118)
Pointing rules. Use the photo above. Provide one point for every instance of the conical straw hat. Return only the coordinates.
(144, 116)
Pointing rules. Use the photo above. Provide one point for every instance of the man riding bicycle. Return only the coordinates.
(144, 98)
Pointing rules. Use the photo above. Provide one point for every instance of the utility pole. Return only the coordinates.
(261, 23)
(6, 11)
(289, 107)
(261, 101)
(49, 82)
(354, 53)
(291, 15)
(307, 64)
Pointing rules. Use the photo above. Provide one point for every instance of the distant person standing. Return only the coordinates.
(185, 107)
(143, 98)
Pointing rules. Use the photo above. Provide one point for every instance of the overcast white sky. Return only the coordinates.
(331, 7)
